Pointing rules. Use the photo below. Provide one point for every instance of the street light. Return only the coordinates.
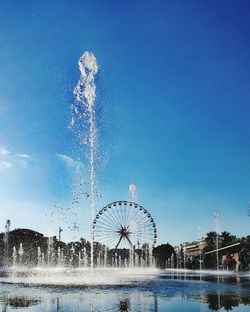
(59, 231)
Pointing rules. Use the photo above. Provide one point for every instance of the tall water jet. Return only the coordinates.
(50, 251)
(39, 256)
(83, 120)
(6, 243)
(14, 257)
(132, 193)
(59, 256)
(72, 252)
(21, 253)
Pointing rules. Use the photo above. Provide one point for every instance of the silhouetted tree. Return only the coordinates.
(210, 259)
(162, 253)
(227, 239)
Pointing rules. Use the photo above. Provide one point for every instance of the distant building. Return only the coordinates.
(191, 249)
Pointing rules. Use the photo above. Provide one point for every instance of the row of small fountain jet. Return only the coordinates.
(74, 255)
(81, 259)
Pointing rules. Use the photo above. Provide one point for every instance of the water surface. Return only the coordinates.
(164, 291)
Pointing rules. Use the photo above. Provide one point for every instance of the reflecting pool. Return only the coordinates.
(164, 291)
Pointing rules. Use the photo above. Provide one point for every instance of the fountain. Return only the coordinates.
(6, 242)
(14, 256)
(121, 258)
(39, 256)
(83, 120)
(21, 253)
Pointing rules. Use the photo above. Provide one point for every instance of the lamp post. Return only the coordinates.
(59, 232)
(217, 222)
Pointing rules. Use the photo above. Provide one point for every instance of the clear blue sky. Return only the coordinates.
(172, 105)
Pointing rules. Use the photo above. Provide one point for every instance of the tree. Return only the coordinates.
(162, 253)
(210, 241)
(227, 239)
(210, 259)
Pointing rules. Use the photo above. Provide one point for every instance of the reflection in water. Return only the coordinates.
(15, 301)
(227, 302)
(219, 299)
(57, 305)
(124, 305)
(88, 300)
(166, 293)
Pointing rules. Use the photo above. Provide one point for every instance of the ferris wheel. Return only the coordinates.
(124, 224)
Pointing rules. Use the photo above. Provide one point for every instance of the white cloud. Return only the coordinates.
(67, 159)
(5, 164)
(23, 155)
(4, 151)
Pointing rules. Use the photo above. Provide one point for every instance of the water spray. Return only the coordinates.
(83, 120)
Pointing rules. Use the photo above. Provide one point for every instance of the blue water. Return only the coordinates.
(166, 292)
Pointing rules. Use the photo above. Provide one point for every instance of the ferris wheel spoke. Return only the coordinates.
(146, 228)
(107, 236)
(110, 237)
(139, 221)
(135, 222)
(101, 227)
(143, 234)
(142, 238)
(119, 211)
(117, 216)
(147, 231)
(124, 213)
(108, 220)
(143, 216)
(110, 216)
(112, 241)
(108, 225)
(141, 231)
(128, 214)
(148, 223)
(106, 229)
(101, 233)
(134, 215)
(113, 217)
(125, 210)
